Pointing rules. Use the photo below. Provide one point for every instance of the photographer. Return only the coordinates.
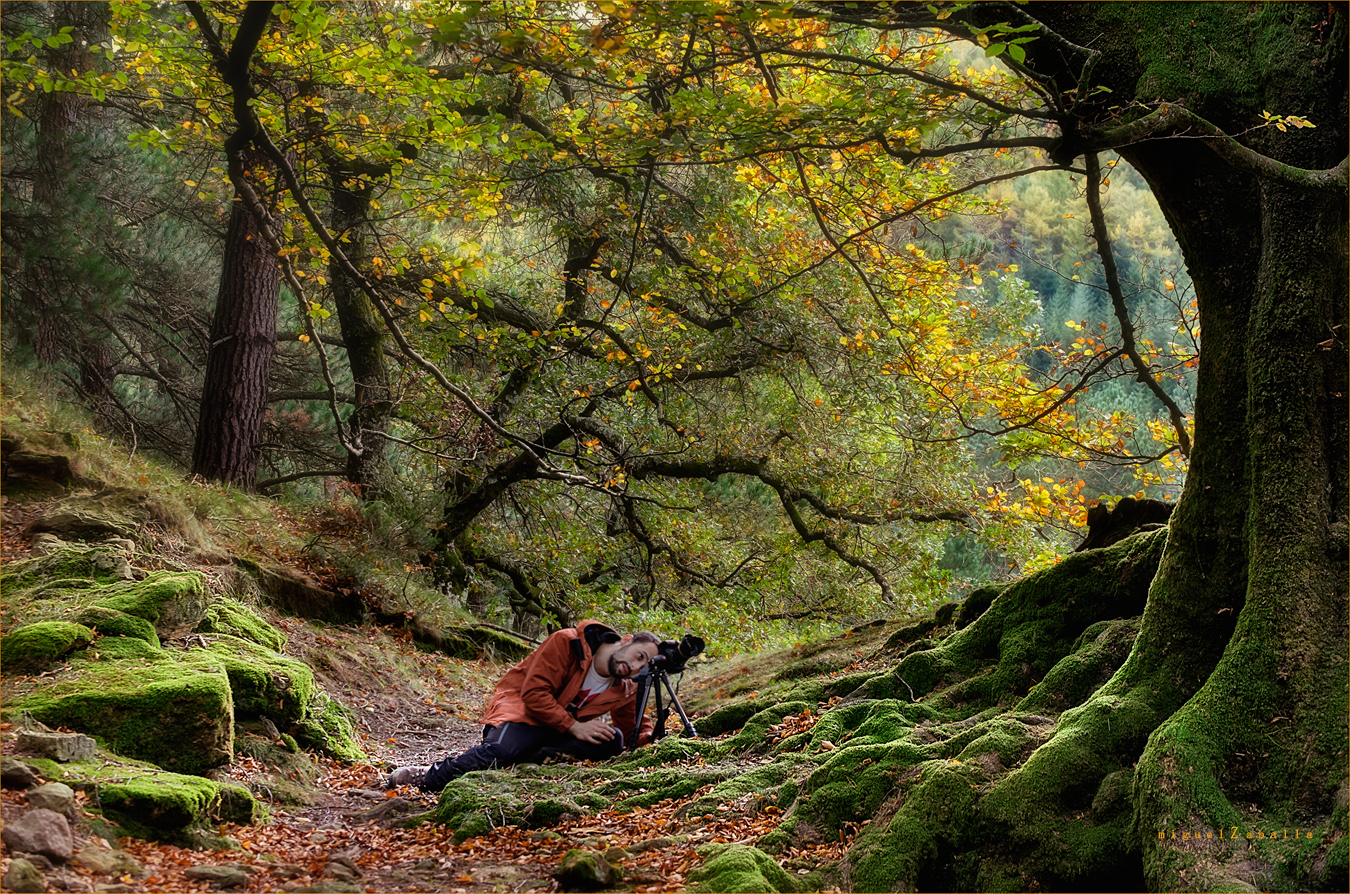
(553, 703)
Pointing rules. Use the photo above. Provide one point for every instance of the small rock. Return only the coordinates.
(63, 747)
(68, 881)
(616, 855)
(651, 844)
(114, 888)
(329, 887)
(318, 837)
(287, 870)
(96, 859)
(584, 870)
(427, 864)
(219, 876)
(38, 860)
(108, 862)
(55, 796)
(14, 773)
(339, 872)
(347, 859)
(40, 832)
(23, 877)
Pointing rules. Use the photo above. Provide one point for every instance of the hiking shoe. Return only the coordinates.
(408, 776)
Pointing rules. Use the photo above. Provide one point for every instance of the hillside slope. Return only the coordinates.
(172, 655)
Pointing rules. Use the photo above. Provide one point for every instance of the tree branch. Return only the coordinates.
(1094, 202)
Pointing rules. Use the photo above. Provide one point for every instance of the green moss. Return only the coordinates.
(146, 802)
(110, 622)
(90, 566)
(226, 615)
(1032, 624)
(1100, 650)
(741, 868)
(40, 645)
(479, 802)
(122, 648)
(175, 602)
(157, 709)
(935, 818)
(263, 682)
(328, 727)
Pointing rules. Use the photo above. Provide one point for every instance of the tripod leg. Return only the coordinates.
(674, 700)
(644, 687)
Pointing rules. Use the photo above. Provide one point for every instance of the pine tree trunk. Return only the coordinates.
(243, 341)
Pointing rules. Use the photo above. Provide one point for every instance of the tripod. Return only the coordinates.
(655, 678)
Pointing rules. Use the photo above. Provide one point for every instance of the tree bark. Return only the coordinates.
(363, 334)
(243, 341)
(1234, 695)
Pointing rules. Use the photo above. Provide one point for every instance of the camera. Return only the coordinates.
(671, 656)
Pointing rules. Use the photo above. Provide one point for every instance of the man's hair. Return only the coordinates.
(646, 636)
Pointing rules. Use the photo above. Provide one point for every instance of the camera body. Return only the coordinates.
(671, 656)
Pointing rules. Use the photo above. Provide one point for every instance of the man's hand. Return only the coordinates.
(594, 731)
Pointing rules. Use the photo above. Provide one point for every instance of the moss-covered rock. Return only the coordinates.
(329, 727)
(145, 801)
(585, 870)
(263, 682)
(158, 709)
(741, 868)
(479, 802)
(37, 646)
(111, 622)
(112, 512)
(47, 580)
(227, 615)
(175, 602)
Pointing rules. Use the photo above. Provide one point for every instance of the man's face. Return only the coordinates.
(629, 660)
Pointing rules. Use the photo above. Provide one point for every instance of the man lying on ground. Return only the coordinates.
(553, 703)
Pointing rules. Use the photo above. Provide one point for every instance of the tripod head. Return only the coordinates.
(671, 656)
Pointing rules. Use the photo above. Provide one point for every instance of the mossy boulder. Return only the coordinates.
(263, 682)
(145, 801)
(740, 868)
(228, 615)
(479, 802)
(38, 646)
(37, 463)
(330, 728)
(585, 870)
(111, 622)
(112, 512)
(175, 602)
(156, 708)
(65, 573)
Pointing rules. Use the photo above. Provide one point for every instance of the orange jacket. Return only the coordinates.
(539, 688)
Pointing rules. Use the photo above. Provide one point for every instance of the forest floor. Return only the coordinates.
(332, 826)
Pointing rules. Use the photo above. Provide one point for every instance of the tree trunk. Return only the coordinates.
(49, 293)
(1233, 701)
(243, 340)
(364, 335)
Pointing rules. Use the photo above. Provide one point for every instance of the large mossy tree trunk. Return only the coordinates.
(1232, 707)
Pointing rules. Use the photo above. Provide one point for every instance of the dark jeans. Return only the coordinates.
(517, 743)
